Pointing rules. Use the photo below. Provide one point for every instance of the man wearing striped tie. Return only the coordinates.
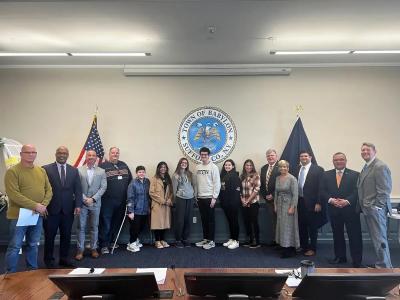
(269, 172)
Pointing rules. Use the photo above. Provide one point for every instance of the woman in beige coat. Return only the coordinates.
(161, 203)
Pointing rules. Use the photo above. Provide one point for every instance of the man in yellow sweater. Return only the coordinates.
(27, 186)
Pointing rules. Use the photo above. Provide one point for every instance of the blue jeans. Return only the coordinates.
(93, 214)
(32, 236)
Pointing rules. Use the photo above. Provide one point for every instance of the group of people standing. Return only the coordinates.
(101, 195)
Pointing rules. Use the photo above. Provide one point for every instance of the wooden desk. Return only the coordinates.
(34, 285)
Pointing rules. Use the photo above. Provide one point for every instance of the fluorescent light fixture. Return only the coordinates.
(203, 70)
(109, 54)
(376, 51)
(33, 54)
(309, 52)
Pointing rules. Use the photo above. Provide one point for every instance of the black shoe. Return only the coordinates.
(358, 265)
(186, 244)
(337, 261)
(371, 266)
(254, 245)
(66, 264)
(179, 244)
(246, 244)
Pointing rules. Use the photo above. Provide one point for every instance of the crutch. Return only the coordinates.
(119, 231)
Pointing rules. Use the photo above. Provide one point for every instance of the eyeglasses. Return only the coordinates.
(29, 152)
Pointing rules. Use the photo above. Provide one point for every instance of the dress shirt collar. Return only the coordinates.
(370, 162)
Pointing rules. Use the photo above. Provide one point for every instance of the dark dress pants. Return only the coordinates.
(308, 228)
(272, 217)
(51, 224)
(339, 219)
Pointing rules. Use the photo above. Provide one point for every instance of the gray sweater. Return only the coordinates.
(182, 187)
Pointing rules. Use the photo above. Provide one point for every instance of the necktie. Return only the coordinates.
(62, 175)
(338, 177)
(365, 167)
(301, 181)
(268, 176)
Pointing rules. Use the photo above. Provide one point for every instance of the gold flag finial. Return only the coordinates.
(299, 109)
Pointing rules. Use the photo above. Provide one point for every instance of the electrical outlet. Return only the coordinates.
(194, 219)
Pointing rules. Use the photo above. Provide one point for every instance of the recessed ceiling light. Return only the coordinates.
(309, 52)
(376, 51)
(33, 54)
(109, 54)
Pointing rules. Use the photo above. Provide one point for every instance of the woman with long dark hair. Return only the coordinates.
(230, 201)
(161, 203)
(183, 190)
(250, 202)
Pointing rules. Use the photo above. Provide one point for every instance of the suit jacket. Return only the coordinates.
(311, 187)
(270, 189)
(346, 190)
(98, 186)
(375, 185)
(65, 198)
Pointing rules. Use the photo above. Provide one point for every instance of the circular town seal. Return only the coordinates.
(207, 127)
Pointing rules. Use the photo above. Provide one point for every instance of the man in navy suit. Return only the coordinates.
(339, 191)
(66, 202)
(309, 205)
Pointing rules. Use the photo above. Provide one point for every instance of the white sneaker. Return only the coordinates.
(201, 243)
(209, 245)
(132, 247)
(227, 243)
(165, 244)
(233, 245)
(138, 243)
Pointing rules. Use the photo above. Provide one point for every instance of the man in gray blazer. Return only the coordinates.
(94, 184)
(374, 187)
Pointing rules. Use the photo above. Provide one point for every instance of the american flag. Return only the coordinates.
(93, 142)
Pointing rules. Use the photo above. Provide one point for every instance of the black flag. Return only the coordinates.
(297, 142)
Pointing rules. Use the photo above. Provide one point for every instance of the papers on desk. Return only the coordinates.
(85, 271)
(292, 280)
(27, 217)
(159, 273)
(395, 214)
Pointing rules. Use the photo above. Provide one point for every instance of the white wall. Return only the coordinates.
(342, 108)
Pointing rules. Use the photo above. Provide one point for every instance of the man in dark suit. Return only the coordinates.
(374, 188)
(339, 191)
(66, 202)
(269, 172)
(309, 205)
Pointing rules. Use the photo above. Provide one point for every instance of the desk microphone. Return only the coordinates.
(177, 283)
